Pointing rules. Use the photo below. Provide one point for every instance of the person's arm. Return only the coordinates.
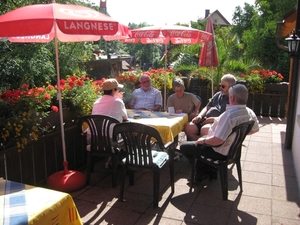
(195, 111)
(212, 141)
(122, 110)
(208, 120)
(132, 101)
(170, 102)
(156, 108)
(201, 115)
(253, 131)
(158, 101)
(197, 108)
(130, 106)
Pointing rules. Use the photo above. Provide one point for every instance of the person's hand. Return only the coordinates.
(199, 142)
(178, 111)
(120, 95)
(208, 120)
(196, 119)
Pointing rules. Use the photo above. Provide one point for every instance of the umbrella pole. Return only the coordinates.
(165, 80)
(212, 82)
(61, 118)
(65, 180)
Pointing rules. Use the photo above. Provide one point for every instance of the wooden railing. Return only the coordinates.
(272, 102)
(41, 158)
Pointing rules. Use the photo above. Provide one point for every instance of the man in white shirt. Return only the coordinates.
(146, 97)
(218, 134)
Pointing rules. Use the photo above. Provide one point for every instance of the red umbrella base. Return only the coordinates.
(66, 182)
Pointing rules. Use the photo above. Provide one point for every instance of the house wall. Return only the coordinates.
(218, 20)
(296, 139)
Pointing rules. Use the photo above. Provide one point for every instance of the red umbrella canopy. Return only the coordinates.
(209, 54)
(63, 20)
(123, 33)
(164, 34)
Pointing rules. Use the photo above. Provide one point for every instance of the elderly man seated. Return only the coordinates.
(235, 114)
(146, 97)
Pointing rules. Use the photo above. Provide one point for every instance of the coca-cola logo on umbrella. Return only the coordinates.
(182, 34)
(146, 34)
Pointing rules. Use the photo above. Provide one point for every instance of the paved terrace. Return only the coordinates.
(270, 196)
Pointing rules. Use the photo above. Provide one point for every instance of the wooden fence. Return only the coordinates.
(272, 102)
(41, 158)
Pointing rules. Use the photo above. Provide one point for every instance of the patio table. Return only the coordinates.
(168, 125)
(25, 204)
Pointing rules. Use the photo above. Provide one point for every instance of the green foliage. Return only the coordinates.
(182, 55)
(30, 63)
(255, 27)
(185, 70)
(35, 63)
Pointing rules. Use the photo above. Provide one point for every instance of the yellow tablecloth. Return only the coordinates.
(169, 126)
(25, 204)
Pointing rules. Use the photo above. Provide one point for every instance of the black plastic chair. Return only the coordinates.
(234, 156)
(98, 131)
(144, 150)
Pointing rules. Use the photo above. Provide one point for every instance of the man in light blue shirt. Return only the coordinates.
(146, 97)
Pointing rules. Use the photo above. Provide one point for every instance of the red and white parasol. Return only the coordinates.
(66, 23)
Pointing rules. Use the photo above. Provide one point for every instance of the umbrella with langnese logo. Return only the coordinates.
(66, 23)
(165, 34)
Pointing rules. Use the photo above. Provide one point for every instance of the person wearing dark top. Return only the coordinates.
(215, 107)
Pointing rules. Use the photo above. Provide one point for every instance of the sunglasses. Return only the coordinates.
(222, 86)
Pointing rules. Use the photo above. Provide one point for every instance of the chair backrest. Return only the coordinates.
(240, 132)
(138, 142)
(98, 129)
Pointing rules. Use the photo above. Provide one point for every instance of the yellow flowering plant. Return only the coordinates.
(158, 77)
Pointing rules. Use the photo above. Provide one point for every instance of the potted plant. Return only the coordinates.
(256, 80)
(24, 112)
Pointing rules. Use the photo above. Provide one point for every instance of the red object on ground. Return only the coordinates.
(66, 180)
